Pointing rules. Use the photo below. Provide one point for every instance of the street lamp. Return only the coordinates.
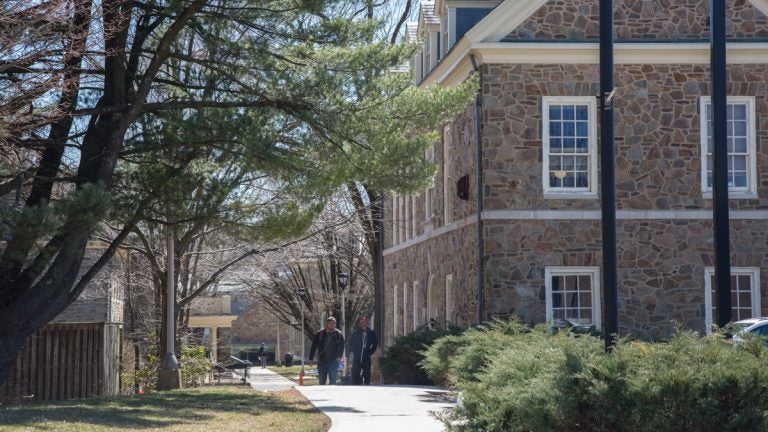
(343, 279)
(302, 292)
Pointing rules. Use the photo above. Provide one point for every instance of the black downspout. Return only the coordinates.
(608, 175)
(719, 161)
(480, 238)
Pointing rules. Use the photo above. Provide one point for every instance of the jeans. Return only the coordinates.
(365, 366)
(326, 371)
(263, 360)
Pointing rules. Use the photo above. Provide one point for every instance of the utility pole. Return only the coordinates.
(608, 176)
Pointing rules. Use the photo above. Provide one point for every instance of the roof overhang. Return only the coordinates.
(457, 67)
(482, 41)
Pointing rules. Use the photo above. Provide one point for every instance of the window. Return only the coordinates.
(407, 218)
(394, 219)
(415, 304)
(569, 131)
(573, 294)
(447, 179)
(395, 317)
(402, 220)
(745, 294)
(449, 299)
(742, 170)
(429, 194)
(405, 307)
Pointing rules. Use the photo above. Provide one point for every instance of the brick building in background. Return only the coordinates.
(527, 216)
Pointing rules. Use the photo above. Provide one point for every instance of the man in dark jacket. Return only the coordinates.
(329, 344)
(362, 345)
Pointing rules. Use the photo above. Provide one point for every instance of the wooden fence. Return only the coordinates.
(66, 361)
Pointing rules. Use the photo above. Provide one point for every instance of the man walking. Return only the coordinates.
(329, 344)
(362, 345)
(263, 355)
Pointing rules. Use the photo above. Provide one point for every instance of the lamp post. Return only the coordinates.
(343, 279)
(169, 375)
(302, 292)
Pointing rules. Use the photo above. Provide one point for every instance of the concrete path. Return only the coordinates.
(379, 408)
(365, 408)
(266, 380)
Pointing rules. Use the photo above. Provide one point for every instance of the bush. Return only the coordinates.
(513, 379)
(400, 362)
(194, 365)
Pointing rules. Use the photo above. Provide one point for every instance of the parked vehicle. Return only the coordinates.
(752, 326)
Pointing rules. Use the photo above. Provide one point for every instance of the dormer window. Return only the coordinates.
(460, 16)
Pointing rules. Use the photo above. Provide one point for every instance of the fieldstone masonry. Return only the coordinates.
(576, 20)
(662, 259)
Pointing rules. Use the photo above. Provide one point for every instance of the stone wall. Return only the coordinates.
(660, 267)
(453, 253)
(639, 19)
(657, 133)
(461, 161)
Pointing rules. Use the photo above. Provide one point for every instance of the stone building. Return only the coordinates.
(527, 216)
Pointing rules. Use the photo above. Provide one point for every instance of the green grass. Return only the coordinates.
(292, 373)
(227, 408)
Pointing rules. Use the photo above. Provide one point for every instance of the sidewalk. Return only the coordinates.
(266, 380)
(365, 408)
(378, 408)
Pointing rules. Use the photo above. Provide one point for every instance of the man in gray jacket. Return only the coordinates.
(329, 345)
(362, 345)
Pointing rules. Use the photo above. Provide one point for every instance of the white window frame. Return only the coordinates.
(594, 272)
(449, 298)
(415, 305)
(395, 315)
(402, 221)
(709, 273)
(448, 190)
(750, 191)
(429, 193)
(405, 307)
(407, 219)
(395, 231)
(556, 193)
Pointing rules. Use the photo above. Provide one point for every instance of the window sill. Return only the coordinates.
(571, 195)
(733, 195)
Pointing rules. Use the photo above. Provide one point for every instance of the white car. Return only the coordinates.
(754, 326)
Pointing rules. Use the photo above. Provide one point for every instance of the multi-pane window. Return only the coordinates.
(395, 315)
(448, 188)
(415, 304)
(569, 141)
(395, 217)
(740, 127)
(429, 194)
(745, 294)
(449, 299)
(573, 294)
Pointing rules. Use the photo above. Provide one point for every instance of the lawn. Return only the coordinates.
(226, 408)
(292, 373)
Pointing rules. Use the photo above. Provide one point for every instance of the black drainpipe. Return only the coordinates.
(608, 175)
(480, 238)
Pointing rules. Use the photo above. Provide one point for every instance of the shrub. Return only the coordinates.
(517, 380)
(400, 362)
(194, 365)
